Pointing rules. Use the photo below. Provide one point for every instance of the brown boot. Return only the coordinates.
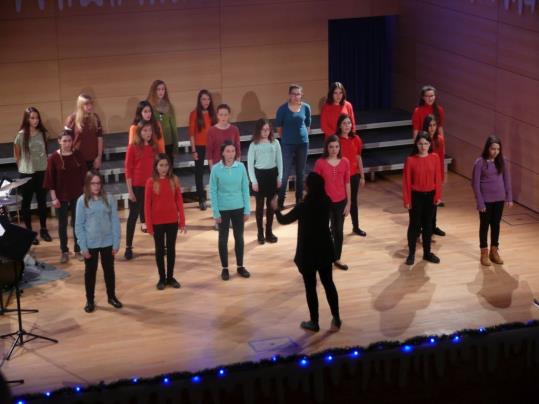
(484, 257)
(494, 256)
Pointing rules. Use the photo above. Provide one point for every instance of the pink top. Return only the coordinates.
(335, 177)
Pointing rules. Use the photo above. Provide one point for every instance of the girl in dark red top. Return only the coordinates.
(139, 161)
(351, 146)
(335, 106)
(164, 215)
(200, 120)
(335, 170)
(427, 106)
(421, 190)
(64, 178)
(437, 141)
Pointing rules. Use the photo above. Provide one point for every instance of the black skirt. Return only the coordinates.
(267, 181)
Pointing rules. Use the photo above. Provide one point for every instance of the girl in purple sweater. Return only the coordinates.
(492, 188)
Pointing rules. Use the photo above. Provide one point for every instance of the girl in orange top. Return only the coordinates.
(200, 120)
(144, 113)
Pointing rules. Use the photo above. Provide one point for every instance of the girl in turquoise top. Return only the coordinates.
(164, 113)
(265, 163)
(97, 228)
(30, 152)
(230, 201)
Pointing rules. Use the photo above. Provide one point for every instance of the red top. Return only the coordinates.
(330, 114)
(335, 178)
(421, 174)
(440, 151)
(201, 138)
(139, 164)
(420, 113)
(85, 139)
(65, 175)
(216, 137)
(351, 148)
(163, 207)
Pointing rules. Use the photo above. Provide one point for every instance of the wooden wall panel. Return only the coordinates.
(479, 8)
(518, 50)
(274, 64)
(29, 10)
(467, 154)
(11, 118)
(126, 75)
(525, 185)
(385, 7)
(28, 40)
(527, 20)
(139, 33)
(29, 83)
(282, 23)
(518, 97)
(348, 9)
(129, 6)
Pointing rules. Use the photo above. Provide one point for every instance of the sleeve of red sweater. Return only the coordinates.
(148, 194)
(350, 112)
(237, 143)
(441, 155)
(210, 146)
(130, 162)
(438, 179)
(179, 205)
(347, 171)
(407, 182)
(416, 120)
(324, 125)
(192, 123)
(50, 177)
(442, 116)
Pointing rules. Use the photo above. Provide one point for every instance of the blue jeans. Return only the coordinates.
(293, 154)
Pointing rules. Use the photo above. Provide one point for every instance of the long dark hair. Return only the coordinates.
(331, 139)
(200, 110)
(138, 118)
(88, 191)
(25, 128)
(426, 123)
(336, 85)
(499, 160)
(420, 135)
(435, 109)
(338, 132)
(258, 130)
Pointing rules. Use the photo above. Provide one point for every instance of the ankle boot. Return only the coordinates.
(270, 237)
(494, 256)
(484, 257)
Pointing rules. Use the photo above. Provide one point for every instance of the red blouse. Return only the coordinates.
(139, 164)
(420, 113)
(351, 148)
(163, 207)
(330, 114)
(421, 174)
(335, 177)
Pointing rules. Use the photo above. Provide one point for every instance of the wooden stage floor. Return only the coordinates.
(209, 322)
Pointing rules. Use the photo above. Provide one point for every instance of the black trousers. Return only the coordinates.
(354, 188)
(267, 189)
(259, 213)
(34, 186)
(326, 277)
(136, 210)
(490, 218)
(169, 151)
(420, 220)
(165, 234)
(199, 172)
(236, 216)
(90, 269)
(336, 222)
(63, 216)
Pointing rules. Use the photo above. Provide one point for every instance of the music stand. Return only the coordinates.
(14, 245)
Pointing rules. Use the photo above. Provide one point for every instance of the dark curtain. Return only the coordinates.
(361, 57)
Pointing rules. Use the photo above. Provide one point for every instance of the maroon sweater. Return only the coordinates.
(86, 138)
(65, 175)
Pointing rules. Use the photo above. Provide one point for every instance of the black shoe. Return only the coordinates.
(271, 238)
(160, 285)
(44, 234)
(310, 326)
(90, 307)
(35, 241)
(441, 205)
(335, 324)
(114, 302)
(260, 238)
(243, 272)
(202, 205)
(410, 259)
(340, 265)
(430, 257)
(224, 274)
(439, 232)
(174, 283)
(128, 255)
(359, 232)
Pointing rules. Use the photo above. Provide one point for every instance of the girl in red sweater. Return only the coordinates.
(427, 106)
(139, 161)
(144, 113)
(421, 191)
(430, 126)
(164, 215)
(335, 106)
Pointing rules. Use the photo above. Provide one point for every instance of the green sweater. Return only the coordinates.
(170, 130)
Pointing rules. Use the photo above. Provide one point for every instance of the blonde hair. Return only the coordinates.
(80, 115)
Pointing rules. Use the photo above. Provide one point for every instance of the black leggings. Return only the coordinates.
(420, 220)
(326, 277)
(260, 213)
(34, 186)
(492, 217)
(199, 172)
(90, 269)
(169, 151)
(236, 216)
(136, 209)
(63, 216)
(165, 234)
(354, 188)
(336, 222)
